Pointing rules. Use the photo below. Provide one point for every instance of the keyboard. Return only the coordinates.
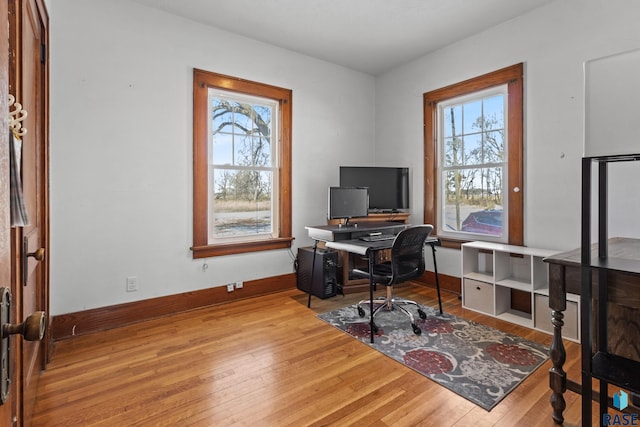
(378, 238)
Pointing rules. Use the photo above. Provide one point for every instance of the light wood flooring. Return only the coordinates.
(269, 361)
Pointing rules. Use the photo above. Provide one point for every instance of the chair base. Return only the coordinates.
(390, 303)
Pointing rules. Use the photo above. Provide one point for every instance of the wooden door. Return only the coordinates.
(8, 411)
(28, 79)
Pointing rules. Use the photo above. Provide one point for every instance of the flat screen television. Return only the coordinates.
(348, 202)
(388, 186)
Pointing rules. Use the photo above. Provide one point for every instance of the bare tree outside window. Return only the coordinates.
(241, 166)
(474, 159)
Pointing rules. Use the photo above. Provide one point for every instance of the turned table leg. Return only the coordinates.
(557, 376)
(558, 354)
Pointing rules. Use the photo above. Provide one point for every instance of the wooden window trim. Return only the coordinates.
(202, 81)
(513, 77)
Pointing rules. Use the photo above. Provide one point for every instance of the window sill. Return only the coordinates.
(239, 248)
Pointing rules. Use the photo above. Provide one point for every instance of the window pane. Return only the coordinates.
(471, 182)
(242, 118)
(222, 116)
(473, 201)
(453, 206)
(222, 149)
(494, 112)
(494, 147)
(472, 115)
(452, 151)
(473, 149)
(263, 119)
(242, 151)
(240, 197)
(241, 204)
(453, 120)
(261, 151)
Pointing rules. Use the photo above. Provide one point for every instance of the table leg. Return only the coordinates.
(313, 269)
(557, 375)
(558, 354)
(435, 270)
(371, 285)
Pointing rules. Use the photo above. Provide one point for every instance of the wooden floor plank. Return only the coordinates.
(269, 361)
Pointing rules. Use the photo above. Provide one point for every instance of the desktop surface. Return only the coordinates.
(329, 233)
(361, 246)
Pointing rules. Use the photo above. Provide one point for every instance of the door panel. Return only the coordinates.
(8, 411)
(34, 144)
(28, 80)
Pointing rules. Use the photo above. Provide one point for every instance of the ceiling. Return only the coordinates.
(371, 36)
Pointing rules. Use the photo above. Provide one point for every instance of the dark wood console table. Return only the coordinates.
(623, 309)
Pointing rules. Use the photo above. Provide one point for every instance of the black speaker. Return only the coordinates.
(325, 272)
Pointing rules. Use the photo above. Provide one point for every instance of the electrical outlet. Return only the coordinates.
(132, 284)
(239, 284)
(230, 287)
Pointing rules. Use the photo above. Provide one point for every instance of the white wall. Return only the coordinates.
(553, 42)
(121, 156)
(121, 189)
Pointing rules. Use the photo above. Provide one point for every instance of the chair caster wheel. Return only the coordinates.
(422, 314)
(416, 330)
(360, 311)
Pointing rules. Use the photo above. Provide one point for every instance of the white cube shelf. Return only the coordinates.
(490, 273)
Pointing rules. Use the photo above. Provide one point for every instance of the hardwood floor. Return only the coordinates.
(268, 361)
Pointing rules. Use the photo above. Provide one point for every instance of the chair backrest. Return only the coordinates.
(407, 253)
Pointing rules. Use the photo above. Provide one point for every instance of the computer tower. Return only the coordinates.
(325, 272)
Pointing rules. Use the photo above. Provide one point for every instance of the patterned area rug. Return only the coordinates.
(475, 361)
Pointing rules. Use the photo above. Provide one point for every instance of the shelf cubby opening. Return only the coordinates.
(540, 278)
(514, 305)
(512, 267)
(478, 263)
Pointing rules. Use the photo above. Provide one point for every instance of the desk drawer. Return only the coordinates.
(478, 296)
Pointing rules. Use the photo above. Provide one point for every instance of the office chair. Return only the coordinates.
(407, 263)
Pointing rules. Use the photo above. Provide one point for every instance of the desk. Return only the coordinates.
(363, 227)
(347, 240)
(624, 303)
(336, 232)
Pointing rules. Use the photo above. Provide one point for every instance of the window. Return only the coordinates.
(242, 166)
(473, 159)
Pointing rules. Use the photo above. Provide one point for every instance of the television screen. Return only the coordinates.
(348, 202)
(388, 186)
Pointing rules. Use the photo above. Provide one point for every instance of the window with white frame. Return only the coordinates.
(473, 159)
(242, 166)
(472, 148)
